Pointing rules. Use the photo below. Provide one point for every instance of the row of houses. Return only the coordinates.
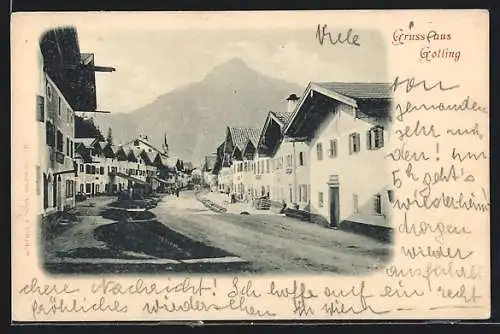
(324, 154)
(68, 164)
(103, 168)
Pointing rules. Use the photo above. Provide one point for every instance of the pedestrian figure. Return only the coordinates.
(283, 206)
(177, 191)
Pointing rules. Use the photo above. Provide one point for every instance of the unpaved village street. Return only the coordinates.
(274, 243)
(183, 235)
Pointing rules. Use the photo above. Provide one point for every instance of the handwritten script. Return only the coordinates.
(436, 180)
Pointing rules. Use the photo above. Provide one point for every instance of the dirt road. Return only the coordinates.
(274, 243)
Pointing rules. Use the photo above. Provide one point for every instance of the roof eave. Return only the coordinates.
(308, 93)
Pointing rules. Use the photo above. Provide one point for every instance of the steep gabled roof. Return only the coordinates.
(249, 145)
(241, 135)
(367, 100)
(359, 90)
(152, 155)
(283, 117)
(269, 142)
(86, 142)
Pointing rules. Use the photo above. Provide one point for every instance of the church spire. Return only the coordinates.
(165, 145)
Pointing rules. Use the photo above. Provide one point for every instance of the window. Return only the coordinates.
(319, 151)
(88, 188)
(289, 161)
(375, 138)
(45, 191)
(71, 148)
(355, 204)
(67, 146)
(40, 108)
(50, 134)
(101, 170)
(69, 188)
(267, 168)
(93, 169)
(59, 142)
(354, 143)
(332, 151)
(49, 91)
(320, 200)
(303, 193)
(81, 168)
(59, 107)
(88, 169)
(390, 194)
(378, 204)
(262, 166)
(301, 159)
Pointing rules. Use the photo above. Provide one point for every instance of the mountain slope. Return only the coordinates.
(194, 117)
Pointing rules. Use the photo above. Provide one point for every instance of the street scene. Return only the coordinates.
(227, 166)
(183, 235)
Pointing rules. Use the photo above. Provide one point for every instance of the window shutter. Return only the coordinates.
(40, 108)
(358, 142)
(380, 133)
(369, 142)
(351, 144)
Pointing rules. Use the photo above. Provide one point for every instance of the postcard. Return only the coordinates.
(246, 166)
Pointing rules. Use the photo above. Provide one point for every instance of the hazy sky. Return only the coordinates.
(149, 64)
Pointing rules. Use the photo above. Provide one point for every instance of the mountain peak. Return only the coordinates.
(232, 67)
(233, 62)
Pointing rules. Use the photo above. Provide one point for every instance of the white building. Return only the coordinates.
(346, 128)
(289, 179)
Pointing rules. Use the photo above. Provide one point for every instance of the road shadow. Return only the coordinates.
(154, 239)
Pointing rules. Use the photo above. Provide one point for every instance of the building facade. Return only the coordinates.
(346, 128)
(66, 85)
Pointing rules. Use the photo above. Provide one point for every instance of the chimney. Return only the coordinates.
(292, 102)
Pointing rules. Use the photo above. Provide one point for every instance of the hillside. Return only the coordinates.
(195, 116)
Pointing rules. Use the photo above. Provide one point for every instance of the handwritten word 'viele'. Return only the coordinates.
(411, 83)
(349, 38)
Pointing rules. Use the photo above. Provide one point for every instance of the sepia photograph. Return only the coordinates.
(164, 156)
(250, 166)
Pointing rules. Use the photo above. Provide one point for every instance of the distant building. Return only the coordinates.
(208, 171)
(230, 166)
(346, 128)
